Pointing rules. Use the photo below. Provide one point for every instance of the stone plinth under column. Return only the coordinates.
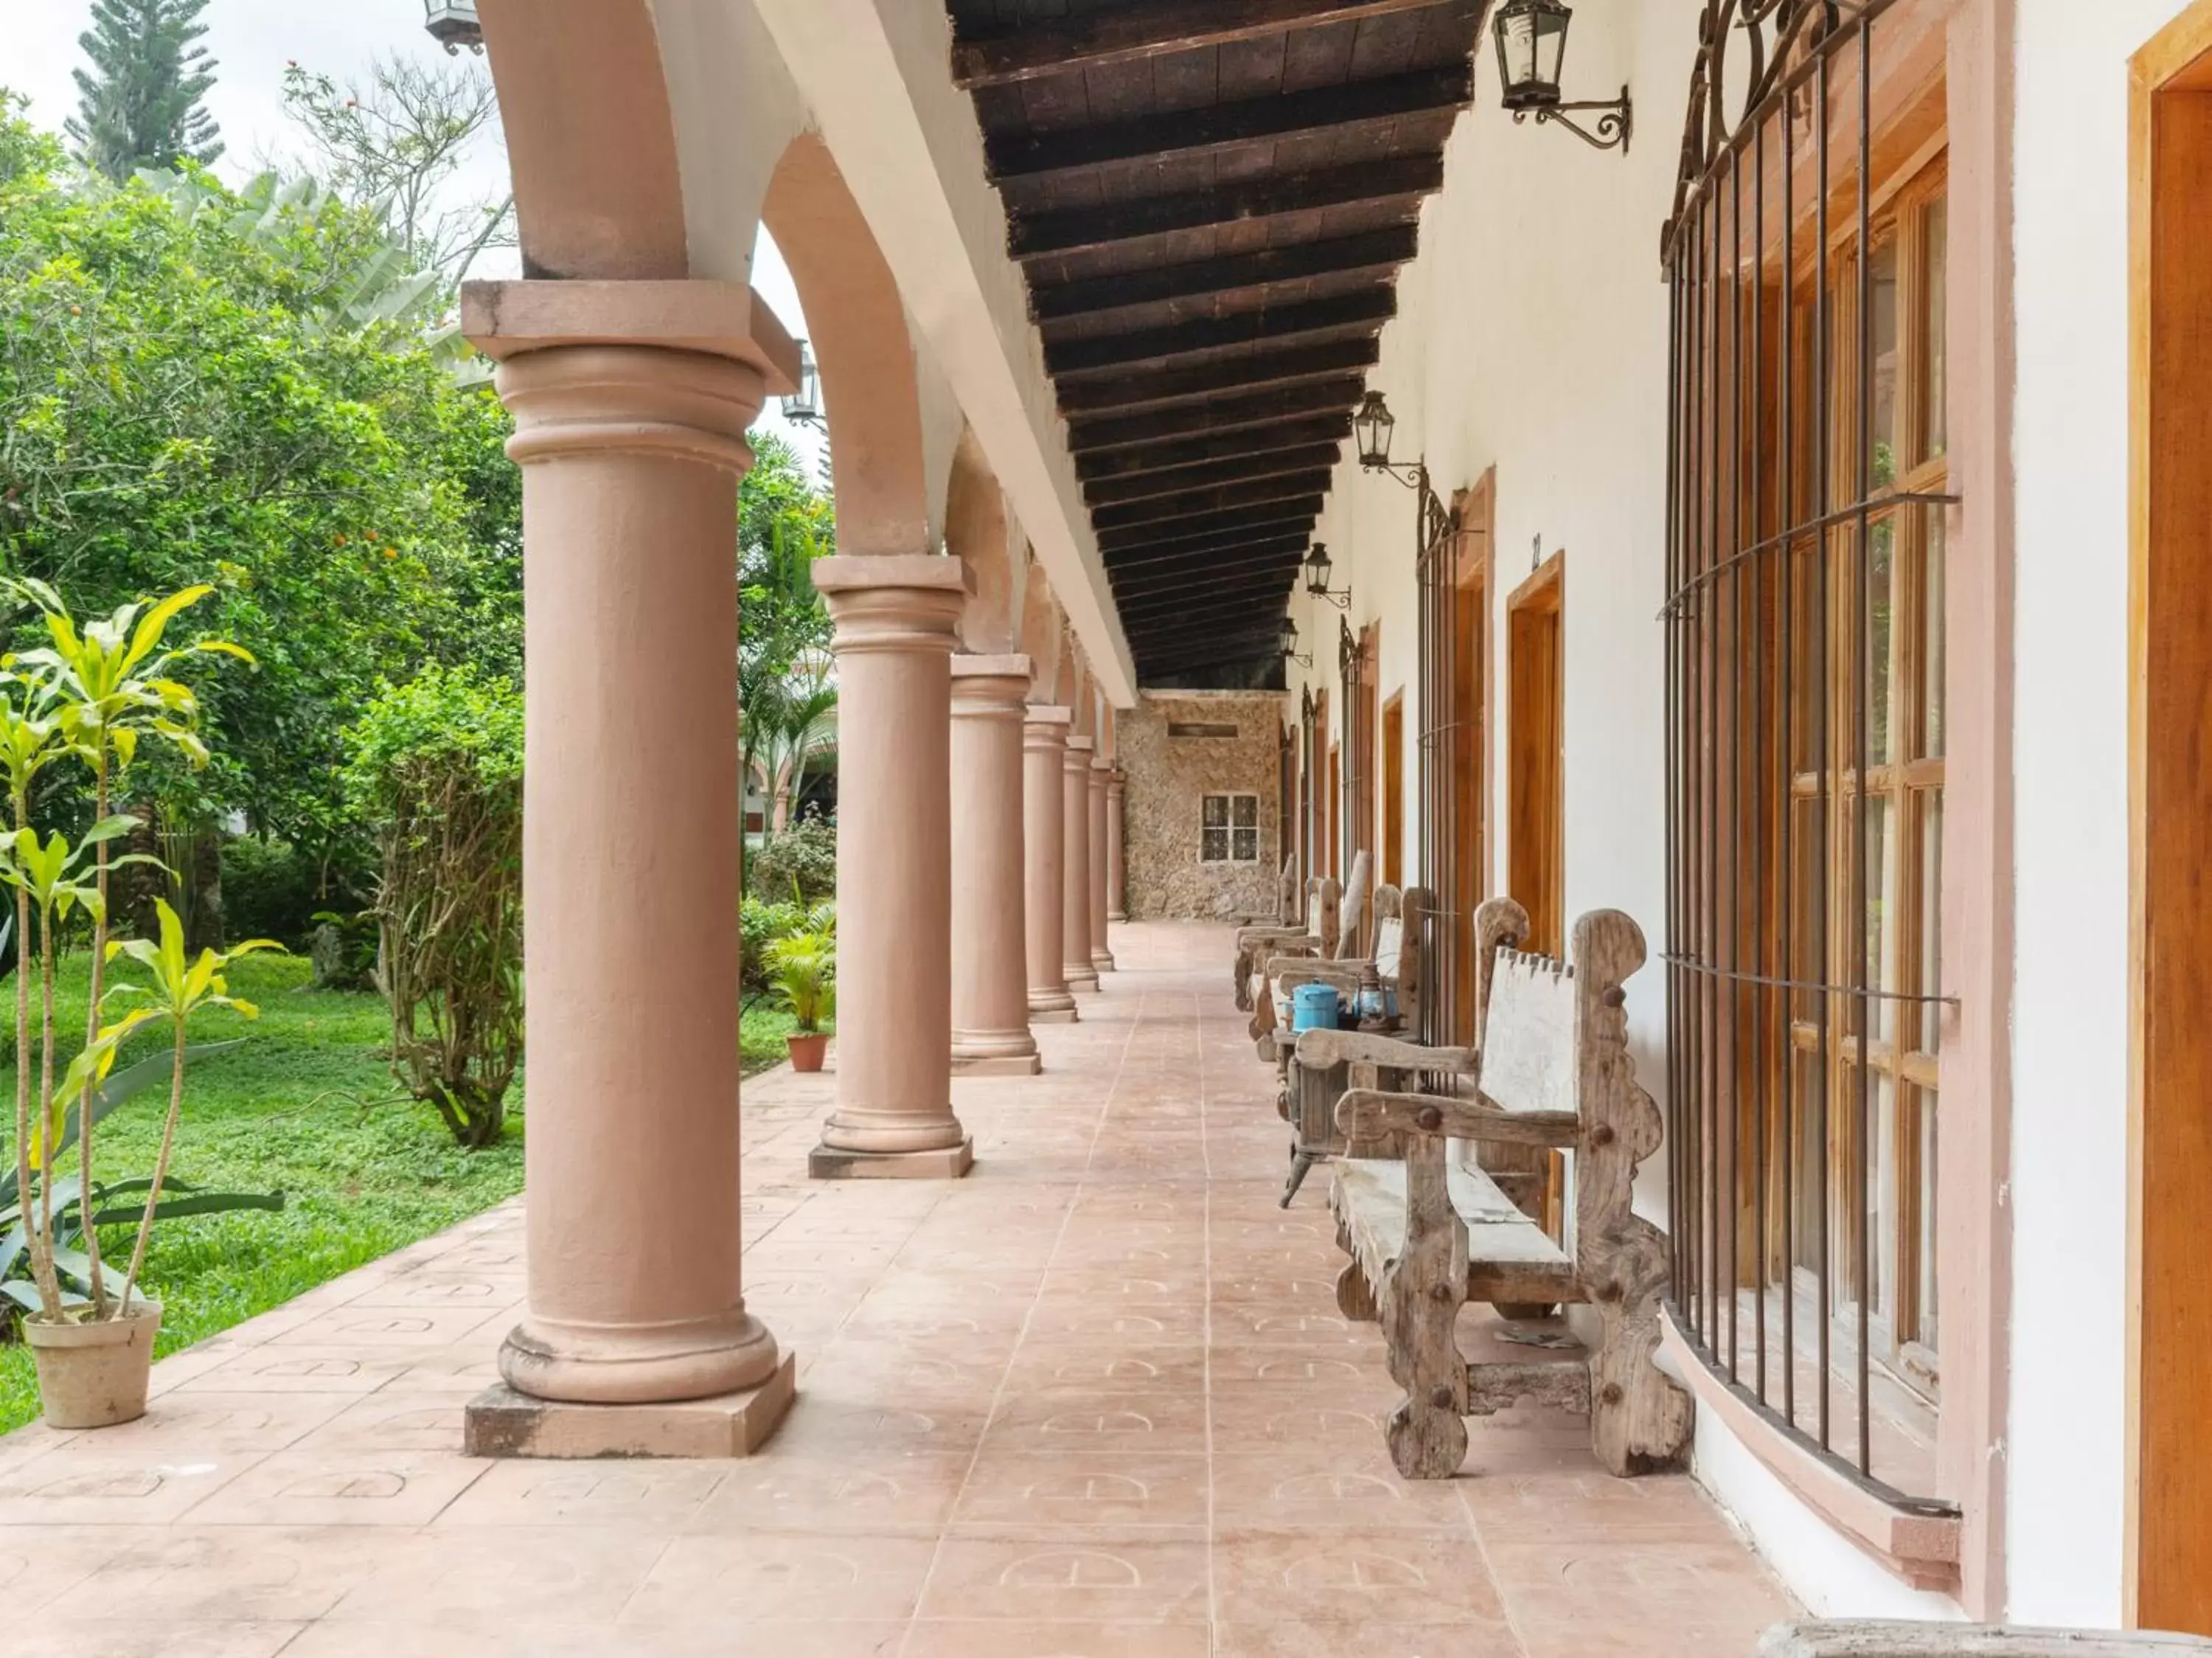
(990, 978)
(894, 619)
(1044, 857)
(502, 1423)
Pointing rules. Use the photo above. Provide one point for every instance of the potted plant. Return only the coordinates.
(89, 698)
(803, 968)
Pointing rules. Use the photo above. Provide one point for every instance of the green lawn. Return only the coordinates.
(762, 1043)
(307, 1107)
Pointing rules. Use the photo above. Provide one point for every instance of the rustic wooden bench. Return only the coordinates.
(1342, 935)
(1898, 1640)
(1428, 1232)
(1396, 969)
(1318, 934)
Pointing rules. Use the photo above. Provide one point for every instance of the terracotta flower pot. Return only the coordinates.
(807, 1049)
(95, 1376)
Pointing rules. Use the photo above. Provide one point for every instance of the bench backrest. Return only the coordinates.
(1527, 1037)
(1390, 931)
(1287, 894)
(1358, 905)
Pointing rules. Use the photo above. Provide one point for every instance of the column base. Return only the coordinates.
(834, 1163)
(1116, 918)
(1102, 960)
(1066, 1015)
(502, 1423)
(998, 1064)
(1083, 978)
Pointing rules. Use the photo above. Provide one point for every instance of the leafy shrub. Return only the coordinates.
(806, 853)
(803, 965)
(271, 889)
(762, 925)
(436, 770)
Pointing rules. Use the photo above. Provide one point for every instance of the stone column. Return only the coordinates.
(1044, 861)
(1075, 875)
(1117, 868)
(894, 618)
(990, 966)
(1101, 957)
(630, 457)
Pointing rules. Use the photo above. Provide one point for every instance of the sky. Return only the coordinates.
(252, 41)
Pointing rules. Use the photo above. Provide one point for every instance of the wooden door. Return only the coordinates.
(1470, 744)
(1336, 811)
(1366, 726)
(1394, 790)
(2170, 1148)
(1535, 780)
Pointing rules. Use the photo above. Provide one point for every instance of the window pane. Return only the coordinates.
(1926, 1333)
(1880, 899)
(1217, 811)
(1934, 386)
(1248, 846)
(1882, 603)
(1931, 918)
(1248, 811)
(1931, 630)
(1213, 846)
(1881, 303)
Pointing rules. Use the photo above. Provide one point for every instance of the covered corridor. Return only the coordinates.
(1093, 1401)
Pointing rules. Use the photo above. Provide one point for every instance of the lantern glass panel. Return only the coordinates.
(1318, 569)
(1532, 46)
(1373, 426)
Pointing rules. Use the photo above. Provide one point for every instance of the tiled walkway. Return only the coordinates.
(1093, 1400)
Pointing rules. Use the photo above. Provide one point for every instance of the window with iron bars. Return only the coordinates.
(1805, 625)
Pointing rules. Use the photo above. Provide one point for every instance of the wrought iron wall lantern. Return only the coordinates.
(1372, 428)
(804, 406)
(1289, 644)
(452, 24)
(1317, 569)
(1532, 45)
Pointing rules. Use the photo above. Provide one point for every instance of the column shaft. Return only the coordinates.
(1044, 861)
(630, 458)
(1117, 866)
(1075, 875)
(1101, 958)
(990, 969)
(895, 617)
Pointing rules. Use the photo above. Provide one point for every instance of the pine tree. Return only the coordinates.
(139, 103)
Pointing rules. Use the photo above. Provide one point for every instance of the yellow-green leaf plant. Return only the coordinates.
(179, 988)
(29, 744)
(51, 875)
(111, 684)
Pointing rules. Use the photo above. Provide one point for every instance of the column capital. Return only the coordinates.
(1078, 753)
(1102, 763)
(988, 687)
(1119, 783)
(594, 399)
(899, 602)
(724, 319)
(1045, 729)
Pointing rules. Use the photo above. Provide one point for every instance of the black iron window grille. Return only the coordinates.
(1806, 264)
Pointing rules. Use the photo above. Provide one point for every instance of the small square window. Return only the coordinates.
(1229, 830)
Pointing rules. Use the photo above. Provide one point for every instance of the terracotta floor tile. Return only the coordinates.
(1712, 1587)
(83, 1636)
(1318, 1493)
(332, 1488)
(442, 1580)
(220, 1574)
(864, 1491)
(1106, 1578)
(1373, 1640)
(1059, 1640)
(1132, 1422)
(1591, 1506)
(1033, 1492)
(708, 1582)
(41, 1563)
(637, 1498)
(1352, 1577)
(84, 1483)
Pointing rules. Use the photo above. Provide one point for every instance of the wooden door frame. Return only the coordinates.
(1390, 736)
(2169, 647)
(1474, 510)
(1543, 595)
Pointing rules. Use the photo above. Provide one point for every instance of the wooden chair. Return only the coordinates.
(1878, 1640)
(1427, 1234)
(1396, 969)
(1342, 935)
(1318, 934)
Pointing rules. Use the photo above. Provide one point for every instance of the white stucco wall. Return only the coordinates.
(2070, 1042)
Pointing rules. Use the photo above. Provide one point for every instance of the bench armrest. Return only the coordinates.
(1269, 932)
(1887, 1640)
(1293, 970)
(1366, 1114)
(1322, 1049)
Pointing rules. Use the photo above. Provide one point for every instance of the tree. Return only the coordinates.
(199, 385)
(785, 693)
(395, 146)
(139, 104)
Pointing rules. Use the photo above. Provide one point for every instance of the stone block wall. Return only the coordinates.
(1177, 747)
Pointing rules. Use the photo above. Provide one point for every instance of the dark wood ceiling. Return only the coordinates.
(1212, 199)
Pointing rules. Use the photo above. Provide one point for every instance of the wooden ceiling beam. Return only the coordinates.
(1287, 517)
(1157, 485)
(1172, 652)
(1145, 28)
(1236, 589)
(1150, 388)
(1027, 155)
(1251, 443)
(1247, 497)
(1169, 572)
(1051, 233)
(1380, 252)
(1154, 347)
(1270, 542)
(1213, 419)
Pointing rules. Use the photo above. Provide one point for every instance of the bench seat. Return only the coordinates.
(1509, 1258)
